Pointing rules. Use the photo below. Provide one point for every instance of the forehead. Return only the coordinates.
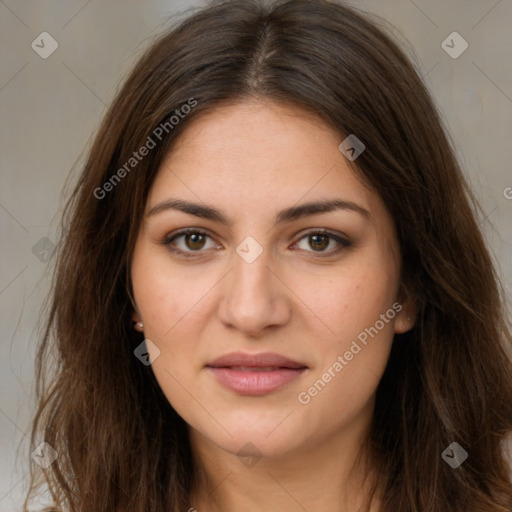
(259, 153)
(245, 128)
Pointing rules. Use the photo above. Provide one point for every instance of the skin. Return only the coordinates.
(250, 161)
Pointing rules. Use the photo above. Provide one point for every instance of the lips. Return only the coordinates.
(255, 374)
(254, 362)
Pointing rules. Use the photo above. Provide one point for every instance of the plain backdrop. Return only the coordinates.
(50, 108)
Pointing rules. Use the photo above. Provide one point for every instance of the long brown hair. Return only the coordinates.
(120, 445)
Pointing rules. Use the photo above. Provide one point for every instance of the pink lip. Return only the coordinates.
(256, 374)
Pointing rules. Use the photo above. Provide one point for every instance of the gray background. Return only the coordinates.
(51, 107)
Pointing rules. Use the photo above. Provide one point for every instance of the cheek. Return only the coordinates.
(167, 296)
(348, 373)
(350, 299)
(169, 302)
(357, 305)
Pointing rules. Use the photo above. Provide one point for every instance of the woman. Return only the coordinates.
(271, 291)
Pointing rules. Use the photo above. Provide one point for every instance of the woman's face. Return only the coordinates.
(300, 302)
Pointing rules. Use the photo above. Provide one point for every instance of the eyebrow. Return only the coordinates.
(286, 215)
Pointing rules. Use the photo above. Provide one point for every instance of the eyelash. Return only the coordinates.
(168, 240)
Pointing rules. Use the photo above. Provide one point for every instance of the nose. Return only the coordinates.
(254, 298)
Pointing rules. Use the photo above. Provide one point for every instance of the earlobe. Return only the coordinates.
(406, 318)
(137, 322)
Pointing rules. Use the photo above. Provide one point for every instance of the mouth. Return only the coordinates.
(255, 374)
(254, 368)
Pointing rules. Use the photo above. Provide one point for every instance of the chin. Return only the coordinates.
(251, 438)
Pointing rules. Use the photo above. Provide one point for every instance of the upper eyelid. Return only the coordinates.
(170, 238)
(187, 231)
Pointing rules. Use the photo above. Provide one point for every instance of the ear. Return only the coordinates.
(137, 322)
(405, 319)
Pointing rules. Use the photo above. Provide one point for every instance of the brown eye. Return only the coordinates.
(324, 243)
(194, 241)
(190, 241)
(319, 242)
